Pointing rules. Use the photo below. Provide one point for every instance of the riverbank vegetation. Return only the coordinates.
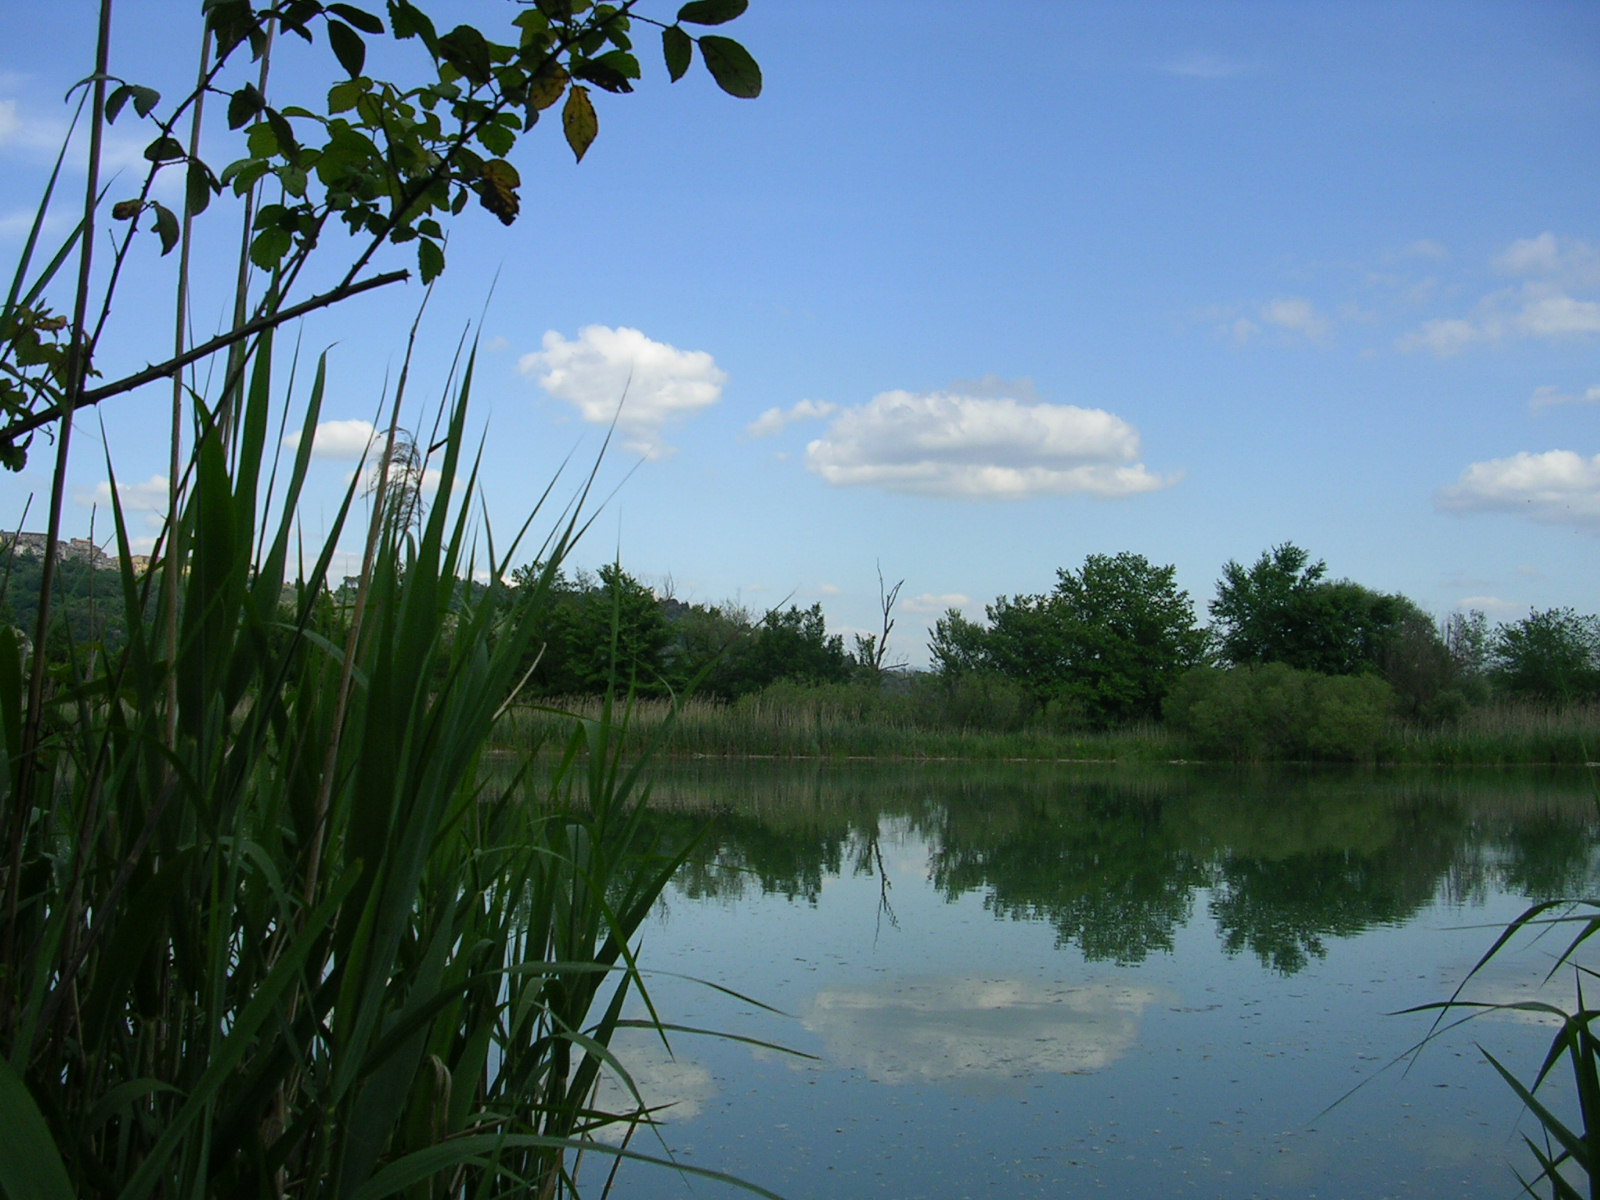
(1112, 664)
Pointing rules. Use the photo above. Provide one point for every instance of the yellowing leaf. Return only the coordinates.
(578, 121)
(547, 87)
(497, 189)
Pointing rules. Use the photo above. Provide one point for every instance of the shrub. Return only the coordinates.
(1275, 711)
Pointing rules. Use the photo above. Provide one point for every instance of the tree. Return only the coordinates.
(872, 650)
(1552, 656)
(958, 647)
(1282, 609)
(1108, 641)
(793, 644)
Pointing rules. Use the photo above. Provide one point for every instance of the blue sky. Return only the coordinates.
(973, 291)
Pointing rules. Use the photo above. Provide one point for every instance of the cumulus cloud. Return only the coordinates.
(337, 439)
(776, 420)
(1558, 487)
(1550, 396)
(1297, 315)
(149, 496)
(1547, 304)
(1548, 256)
(653, 383)
(947, 444)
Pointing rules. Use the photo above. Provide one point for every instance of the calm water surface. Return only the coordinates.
(1044, 981)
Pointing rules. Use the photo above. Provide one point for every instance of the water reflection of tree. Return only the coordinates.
(1114, 858)
(1283, 903)
(1098, 865)
(1547, 858)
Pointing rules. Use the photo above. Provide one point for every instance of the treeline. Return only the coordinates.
(1290, 664)
(608, 626)
(1293, 664)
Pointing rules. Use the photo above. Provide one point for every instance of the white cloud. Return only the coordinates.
(1558, 487)
(828, 589)
(1547, 256)
(776, 420)
(1549, 396)
(149, 496)
(944, 444)
(337, 439)
(929, 602)
(1297, 315)
(1556, 316)
(654, 383)
(1492, 606)
(1547, 305)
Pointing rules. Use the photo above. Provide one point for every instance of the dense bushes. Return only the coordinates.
(1278, 712)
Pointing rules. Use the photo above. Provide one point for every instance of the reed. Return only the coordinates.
(840, 722)
(1500, 734)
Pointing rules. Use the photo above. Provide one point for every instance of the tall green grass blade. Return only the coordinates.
(30, 1165)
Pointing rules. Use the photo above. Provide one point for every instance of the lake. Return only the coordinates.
(1045, 980)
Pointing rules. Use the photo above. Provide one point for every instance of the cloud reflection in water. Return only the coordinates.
(977, 1035)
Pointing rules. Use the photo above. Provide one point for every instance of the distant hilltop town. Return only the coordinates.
(32, 545)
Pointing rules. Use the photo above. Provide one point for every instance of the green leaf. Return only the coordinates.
(677, 47)
(269, 247)
(578, 121)
(262, 140)
(497, 139)
(288, 144)
(348, 47)
(198, 187)
(243, 105)
(31, 1165)
(164, 149)
(712, 12)
(409, 21)
(144, 99)
(731, 66)
(430, 259)
(465, 49)
(343, 96)
(116, 100)
(603, 74)
(166, 226)
(358, 17)
(241, 175)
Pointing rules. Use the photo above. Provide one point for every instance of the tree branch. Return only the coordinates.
(222, 341)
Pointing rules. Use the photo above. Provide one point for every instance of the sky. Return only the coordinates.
(968, 294)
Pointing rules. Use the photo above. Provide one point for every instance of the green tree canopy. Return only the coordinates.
(1282, 609)
(1552, 655)
(1107, 641)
